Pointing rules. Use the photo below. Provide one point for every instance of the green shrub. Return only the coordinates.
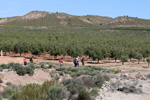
(99, 80)
(72, 69)
(4, 66)
(49, 89)
(8, 92)
(60, 69)
(78, 74)
(67, 72)
(16, 66)
(42, 66)
(94, 92)
(31, 65)
(73, 85)
(116, 71)
(29, 92)
(21, 71)
(29, 70)
(10, 64)
(95, 68)
(106, 78)
(50, 65)
(74, 98)
(99, 85)
(8, 83)
(84, 95)
(1, 69)
(88, 81)
(61, 73)
(48, 84)
(54, 93)
(15, 96)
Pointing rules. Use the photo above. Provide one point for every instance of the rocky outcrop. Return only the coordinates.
(35, 15)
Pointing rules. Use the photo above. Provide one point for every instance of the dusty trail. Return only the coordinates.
(127, 67)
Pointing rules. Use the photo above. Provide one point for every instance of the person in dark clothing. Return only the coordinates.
(82, 60)
(31, 60)
(75, 62)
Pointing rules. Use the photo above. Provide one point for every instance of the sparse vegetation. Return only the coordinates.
(7, 93)
(94, 92)
(20, 70)
(84, 95)
(49, 90)
(116, 71)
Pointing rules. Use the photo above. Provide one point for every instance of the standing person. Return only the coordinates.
(31, 60)
(25, 60)
(75, 62)
(61, 62)
(82, 60)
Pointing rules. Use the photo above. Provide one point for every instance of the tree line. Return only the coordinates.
(93, 42)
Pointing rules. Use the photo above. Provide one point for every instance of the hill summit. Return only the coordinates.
(43, 19)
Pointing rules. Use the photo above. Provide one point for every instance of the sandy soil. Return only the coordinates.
(110, 64)
(127, 68)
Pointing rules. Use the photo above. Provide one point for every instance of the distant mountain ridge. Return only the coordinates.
(44, 19)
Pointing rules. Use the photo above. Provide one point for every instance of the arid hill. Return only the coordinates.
(44, 19)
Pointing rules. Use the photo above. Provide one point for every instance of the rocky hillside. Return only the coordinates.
(43, 19)
(128, 22)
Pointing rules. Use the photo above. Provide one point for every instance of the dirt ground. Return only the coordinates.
(110, 64)
(128, 68)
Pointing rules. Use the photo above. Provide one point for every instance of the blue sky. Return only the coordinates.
(111, 8)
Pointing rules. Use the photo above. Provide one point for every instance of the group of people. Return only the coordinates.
(75, 61)
(25, 60)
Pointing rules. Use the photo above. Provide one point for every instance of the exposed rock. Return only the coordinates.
(130, 89)
(35, 15)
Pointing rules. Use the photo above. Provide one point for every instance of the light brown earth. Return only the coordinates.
(43, 75)
(110, 64)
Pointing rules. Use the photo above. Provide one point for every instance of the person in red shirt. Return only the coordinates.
(61, 62)
(25, 60)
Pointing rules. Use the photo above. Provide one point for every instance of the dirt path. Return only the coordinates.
(110, 64)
